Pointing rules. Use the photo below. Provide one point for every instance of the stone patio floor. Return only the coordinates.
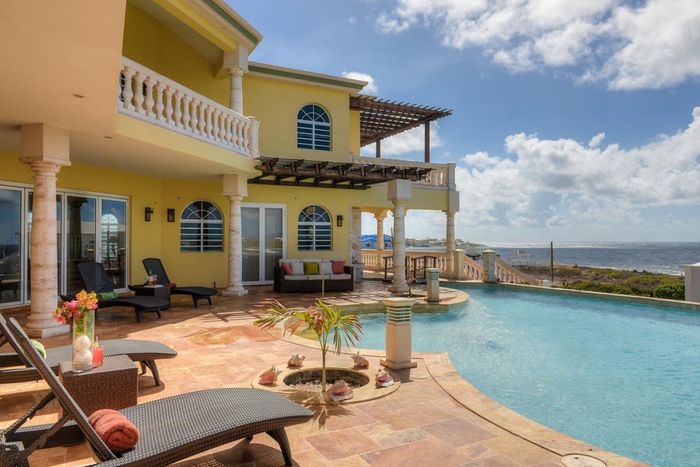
(218, 346)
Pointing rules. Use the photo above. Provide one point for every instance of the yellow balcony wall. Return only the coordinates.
(151, 43)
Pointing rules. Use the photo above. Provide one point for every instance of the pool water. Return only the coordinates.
(620, 375)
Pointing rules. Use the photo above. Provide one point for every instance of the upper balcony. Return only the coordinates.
(380, 119)
(151, 97)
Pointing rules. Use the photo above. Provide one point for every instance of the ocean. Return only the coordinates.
(662, 257)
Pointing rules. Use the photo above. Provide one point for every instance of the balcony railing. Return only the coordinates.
(149, 96)
(441, 176)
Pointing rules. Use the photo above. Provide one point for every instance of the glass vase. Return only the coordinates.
(83, 339)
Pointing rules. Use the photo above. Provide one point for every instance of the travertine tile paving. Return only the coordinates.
(420, 424)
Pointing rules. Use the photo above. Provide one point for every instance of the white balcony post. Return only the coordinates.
(398, 192)
(236, 76)
(235, 188)
(45, 149)
(380, 230)
(253, 143)
(450, 243)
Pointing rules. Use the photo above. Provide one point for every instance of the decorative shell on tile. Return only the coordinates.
(383, 379)
(296, 360)
(340, 391)
(360, 361)
(269, 376)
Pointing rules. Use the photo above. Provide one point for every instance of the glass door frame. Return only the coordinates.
(25, 189)
(261, 236)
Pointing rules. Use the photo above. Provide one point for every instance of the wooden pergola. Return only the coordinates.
(330, 174)
(380, 119)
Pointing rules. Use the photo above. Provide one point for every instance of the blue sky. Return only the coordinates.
(531, 84)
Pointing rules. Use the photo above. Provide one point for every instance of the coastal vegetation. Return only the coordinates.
(641, 283)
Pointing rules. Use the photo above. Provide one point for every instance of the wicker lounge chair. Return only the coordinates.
(144, 352)
(155, 266)
(171, 429)
(96, 279)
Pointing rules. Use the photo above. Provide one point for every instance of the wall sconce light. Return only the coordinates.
(147, 213)
(339, 220)
(171, 215)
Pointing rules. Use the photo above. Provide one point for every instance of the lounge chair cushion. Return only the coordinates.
(39, 348)
(338, 267)
(326, 267)
(107, 295)
(311, 267)
(340, 276)
(296, 277)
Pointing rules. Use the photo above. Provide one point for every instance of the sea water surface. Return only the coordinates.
(661, 257)
(621, 375)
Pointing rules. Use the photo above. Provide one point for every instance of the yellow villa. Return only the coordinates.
(136, 129)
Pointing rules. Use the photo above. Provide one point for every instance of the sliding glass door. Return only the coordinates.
(11, 283)
(89, 227)
(264, 241)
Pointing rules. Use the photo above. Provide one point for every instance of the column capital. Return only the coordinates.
(236, 71)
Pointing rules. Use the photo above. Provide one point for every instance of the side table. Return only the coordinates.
(152, 291)
(114, 385)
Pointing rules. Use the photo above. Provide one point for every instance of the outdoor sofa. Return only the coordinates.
(155, 266)
(15, 368)
(95, 279)
(299, 281)
(171, 429)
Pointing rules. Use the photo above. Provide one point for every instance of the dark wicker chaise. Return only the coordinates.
(155, 266)
(144, 352)
(171, 429)
(95, 279)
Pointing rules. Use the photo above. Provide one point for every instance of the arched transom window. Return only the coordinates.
(313, 128)
(314, 229)
(201, 227)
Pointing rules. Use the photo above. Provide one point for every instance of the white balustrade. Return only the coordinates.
(151, 97)
(508, 274)
(373, 261)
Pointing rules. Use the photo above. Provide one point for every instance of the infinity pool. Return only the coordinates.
(620, 375)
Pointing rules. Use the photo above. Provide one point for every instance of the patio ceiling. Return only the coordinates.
(380, 118)
(328, 174)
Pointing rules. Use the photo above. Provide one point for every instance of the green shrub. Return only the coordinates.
(672, 291)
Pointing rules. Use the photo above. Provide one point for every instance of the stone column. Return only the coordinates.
(450, 243)
(356, 236)
(398, 192)
(380, 230)
(45, 149)
(236, 76)
(235, 188)
(488, 260)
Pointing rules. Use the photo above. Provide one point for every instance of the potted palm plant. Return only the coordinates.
(328, 324)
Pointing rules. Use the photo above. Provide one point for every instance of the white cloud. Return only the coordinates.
(639, 46)
(412, 140)
(559, 182)
(371, 87)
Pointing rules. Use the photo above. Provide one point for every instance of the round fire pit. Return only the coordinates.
(303, 385)
(311, 378)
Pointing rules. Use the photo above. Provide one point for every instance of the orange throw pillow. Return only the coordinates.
(338, 267)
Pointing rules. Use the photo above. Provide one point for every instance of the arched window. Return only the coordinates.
(313, 128)
(201, 227)
(314, 229)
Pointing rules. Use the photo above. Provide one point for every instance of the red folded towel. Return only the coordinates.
(118, 433)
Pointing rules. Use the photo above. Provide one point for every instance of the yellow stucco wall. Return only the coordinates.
(276, 103)
(354, 132)
(152, 44)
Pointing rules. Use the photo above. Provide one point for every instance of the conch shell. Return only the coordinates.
(296, 360)
(383, 379)
(269, 376)
(360, 361)
(340, 391)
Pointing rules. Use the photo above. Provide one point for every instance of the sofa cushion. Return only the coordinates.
(338, 267)
(299, 277)
(297, 268)
(340, 276)
(316, 277)
(311, 268)
(326, 267)
(287, 268)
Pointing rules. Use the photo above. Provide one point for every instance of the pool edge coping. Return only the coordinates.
(442, 372)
